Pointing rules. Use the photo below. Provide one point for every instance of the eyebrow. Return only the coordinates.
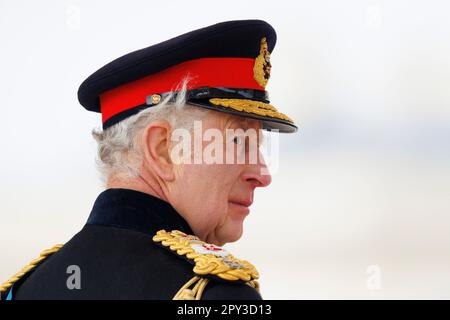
(244, 123)
(245, 126)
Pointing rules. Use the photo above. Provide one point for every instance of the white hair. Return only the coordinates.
(119, 152)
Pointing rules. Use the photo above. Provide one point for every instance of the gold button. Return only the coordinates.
(155, 98)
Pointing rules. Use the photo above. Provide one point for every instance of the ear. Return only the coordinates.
(156, 149)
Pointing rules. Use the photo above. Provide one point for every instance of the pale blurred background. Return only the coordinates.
(360, 204)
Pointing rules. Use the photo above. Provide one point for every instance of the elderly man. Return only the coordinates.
(177, 153)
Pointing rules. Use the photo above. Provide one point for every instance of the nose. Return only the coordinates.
(258, 174)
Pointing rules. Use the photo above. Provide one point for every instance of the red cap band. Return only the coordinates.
(210, 72)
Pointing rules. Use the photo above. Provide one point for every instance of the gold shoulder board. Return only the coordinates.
(208, 259)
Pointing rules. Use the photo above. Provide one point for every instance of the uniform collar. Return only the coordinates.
(135, 210)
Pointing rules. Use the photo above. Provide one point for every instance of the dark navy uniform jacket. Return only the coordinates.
(118, 259)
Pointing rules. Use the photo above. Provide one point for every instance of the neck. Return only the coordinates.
(138, 184)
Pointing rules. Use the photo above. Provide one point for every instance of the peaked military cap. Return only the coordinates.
(228, 64)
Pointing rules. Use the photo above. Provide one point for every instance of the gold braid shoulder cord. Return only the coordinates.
(209, 260)
(33, 264)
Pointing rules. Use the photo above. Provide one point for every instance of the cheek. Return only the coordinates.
(225, 220)
(202, 193)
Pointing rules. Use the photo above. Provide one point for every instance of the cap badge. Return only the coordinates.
(261, 69)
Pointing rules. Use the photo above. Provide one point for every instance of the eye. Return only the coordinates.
(237, 140)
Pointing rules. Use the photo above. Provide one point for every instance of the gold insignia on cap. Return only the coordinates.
(262, 66)
(250, 106)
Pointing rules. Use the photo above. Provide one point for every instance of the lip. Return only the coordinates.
(243, 203)
(240, 207)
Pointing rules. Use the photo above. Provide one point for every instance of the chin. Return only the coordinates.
(231, 235)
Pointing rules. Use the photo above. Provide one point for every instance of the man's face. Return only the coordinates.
(215, 198)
